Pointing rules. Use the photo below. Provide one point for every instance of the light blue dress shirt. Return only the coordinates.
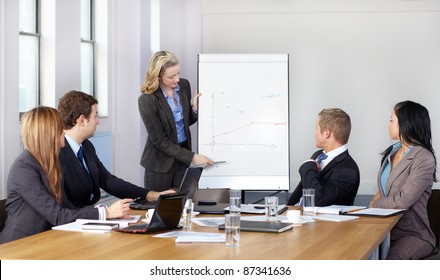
(177, 113)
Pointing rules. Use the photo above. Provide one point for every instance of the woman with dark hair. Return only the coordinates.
(405, 179)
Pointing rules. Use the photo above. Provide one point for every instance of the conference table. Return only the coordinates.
(319, 240)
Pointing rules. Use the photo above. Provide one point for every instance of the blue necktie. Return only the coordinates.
(80, 156)
(321, 157)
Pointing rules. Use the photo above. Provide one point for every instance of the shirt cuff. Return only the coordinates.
(102, 212)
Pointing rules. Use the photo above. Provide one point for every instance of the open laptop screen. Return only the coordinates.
(190, 181)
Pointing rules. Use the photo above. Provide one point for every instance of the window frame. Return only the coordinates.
(35, 34)
(90, 42)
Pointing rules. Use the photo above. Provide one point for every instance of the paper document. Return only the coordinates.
(193, 237)
(209, 222)
(201, 239)
(337, 209)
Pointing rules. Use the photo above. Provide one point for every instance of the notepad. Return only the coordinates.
(100, 226)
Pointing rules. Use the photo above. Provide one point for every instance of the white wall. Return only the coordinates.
(362, 56)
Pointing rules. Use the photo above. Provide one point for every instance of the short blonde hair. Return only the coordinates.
(41, 132)
(337, 121)
(159, 62)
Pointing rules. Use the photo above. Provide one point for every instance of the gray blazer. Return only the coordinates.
(162, 148)
(30, 207)
(409, 187)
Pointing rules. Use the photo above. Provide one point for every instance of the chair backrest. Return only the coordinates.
(434, 216)
(2, 213)
(217, 195)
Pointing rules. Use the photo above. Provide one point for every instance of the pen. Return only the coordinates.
(354, 210)
(221, 161)
(137, 199)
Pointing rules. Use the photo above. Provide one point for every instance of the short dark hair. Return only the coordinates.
(74, 104)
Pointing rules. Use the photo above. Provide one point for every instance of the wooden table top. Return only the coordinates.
(318, 240)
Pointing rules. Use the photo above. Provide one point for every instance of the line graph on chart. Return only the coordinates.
(244, 130)
(225, 133)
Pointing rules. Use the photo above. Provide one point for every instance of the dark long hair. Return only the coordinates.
(414, 127)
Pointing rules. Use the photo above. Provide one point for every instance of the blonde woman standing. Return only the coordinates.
(167, 111)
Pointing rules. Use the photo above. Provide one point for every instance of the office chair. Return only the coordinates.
(2, 213)
(434, 221)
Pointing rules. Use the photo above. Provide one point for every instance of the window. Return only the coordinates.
(87, 48)
(29, 55)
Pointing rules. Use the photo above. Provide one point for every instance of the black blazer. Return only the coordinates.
(76, 183)
(30, 207)
(337, 183)
(162, 148)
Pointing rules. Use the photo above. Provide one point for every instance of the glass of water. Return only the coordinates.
(187, 213)
(232, 230)
(271, 208)
(235, 202)
(309, 201)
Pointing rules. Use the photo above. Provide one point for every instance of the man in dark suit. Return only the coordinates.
(83, 173)
(331, 171)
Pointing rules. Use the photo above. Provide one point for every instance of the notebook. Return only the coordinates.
(188, 186)
(376, 212)
(261, 226)
(166, 215)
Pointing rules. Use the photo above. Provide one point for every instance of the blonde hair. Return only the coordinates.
(337, 121)
(159, 62)
(41, 131)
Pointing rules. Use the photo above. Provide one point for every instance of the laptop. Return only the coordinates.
(188, 186)
(166, 215)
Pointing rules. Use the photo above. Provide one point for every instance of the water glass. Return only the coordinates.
(309, 200)
(234, 202)
(187, 213)
(271, 208)
(232, 230)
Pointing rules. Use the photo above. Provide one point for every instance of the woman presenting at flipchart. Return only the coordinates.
(166, 110)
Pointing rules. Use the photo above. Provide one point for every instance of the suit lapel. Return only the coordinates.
(399, 168)
(71, 157)
(185, 106)
(334, 161)
(163, 103)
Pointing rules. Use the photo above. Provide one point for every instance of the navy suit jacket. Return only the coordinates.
(30, 206)
(162, 149)
(76, 183)
(337, 183)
